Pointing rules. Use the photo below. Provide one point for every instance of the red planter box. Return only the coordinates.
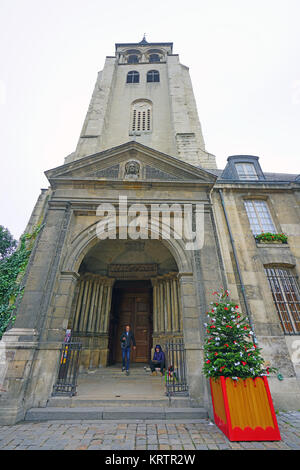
(244, 410)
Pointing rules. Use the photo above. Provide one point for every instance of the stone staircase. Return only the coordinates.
(108, 394)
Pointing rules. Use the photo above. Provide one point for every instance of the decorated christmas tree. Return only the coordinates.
(230, 348)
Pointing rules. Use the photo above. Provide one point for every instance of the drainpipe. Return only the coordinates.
(238, 266)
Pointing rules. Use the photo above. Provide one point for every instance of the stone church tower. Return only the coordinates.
(144, 94)
(142, 144)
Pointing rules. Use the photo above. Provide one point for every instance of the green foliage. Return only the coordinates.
(271, 237)
(229, 347)
(12, 270)
(7, 243)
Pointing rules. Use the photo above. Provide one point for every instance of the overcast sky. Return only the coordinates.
(244, 60)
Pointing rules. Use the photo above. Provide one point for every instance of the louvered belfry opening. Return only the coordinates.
(141, 116)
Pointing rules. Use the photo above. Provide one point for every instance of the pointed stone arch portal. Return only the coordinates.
(126, 281)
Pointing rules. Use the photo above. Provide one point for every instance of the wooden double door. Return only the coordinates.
(132, 306)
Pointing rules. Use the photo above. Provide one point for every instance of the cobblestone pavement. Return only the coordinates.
(138, 435)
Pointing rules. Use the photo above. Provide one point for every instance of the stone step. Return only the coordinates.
(116, 372)
(114, 413)
(74, 402)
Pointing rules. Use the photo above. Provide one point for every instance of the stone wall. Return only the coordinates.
(252, 259)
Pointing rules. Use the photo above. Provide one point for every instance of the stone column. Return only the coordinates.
(76, 318)
(99, 318)
(85, 306)
(93, 306)
(175, 306)
(155, 304)
(161, 306)
(60, 308)
(108, 284)
(166, 307)
(168, 304)
(192, 341)
(91, 320)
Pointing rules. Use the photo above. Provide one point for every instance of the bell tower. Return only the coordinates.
(144, 94)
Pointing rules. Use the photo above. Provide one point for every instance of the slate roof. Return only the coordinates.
(274, 177)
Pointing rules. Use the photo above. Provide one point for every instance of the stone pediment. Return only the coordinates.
(131, 162)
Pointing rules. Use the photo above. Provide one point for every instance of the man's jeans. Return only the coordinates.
(126, 353)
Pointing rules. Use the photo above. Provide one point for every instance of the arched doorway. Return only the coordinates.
(174, 286)
(125, 281)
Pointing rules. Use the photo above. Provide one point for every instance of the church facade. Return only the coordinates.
(112, 249)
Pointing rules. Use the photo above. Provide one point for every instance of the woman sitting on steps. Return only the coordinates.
(158, 360)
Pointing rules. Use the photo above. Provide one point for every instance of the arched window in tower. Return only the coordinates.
(133, 59)
(141, 116)
(155, 55)
(154, 58)
(133, 77)
(153, 76)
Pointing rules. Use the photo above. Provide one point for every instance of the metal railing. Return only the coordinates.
(176, 376)
(66, 383)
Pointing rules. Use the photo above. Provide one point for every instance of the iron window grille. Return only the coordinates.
(286, 296)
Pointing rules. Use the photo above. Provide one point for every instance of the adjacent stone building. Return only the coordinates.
(141, 149)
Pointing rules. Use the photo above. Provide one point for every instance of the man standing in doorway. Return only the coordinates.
(126, 338)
